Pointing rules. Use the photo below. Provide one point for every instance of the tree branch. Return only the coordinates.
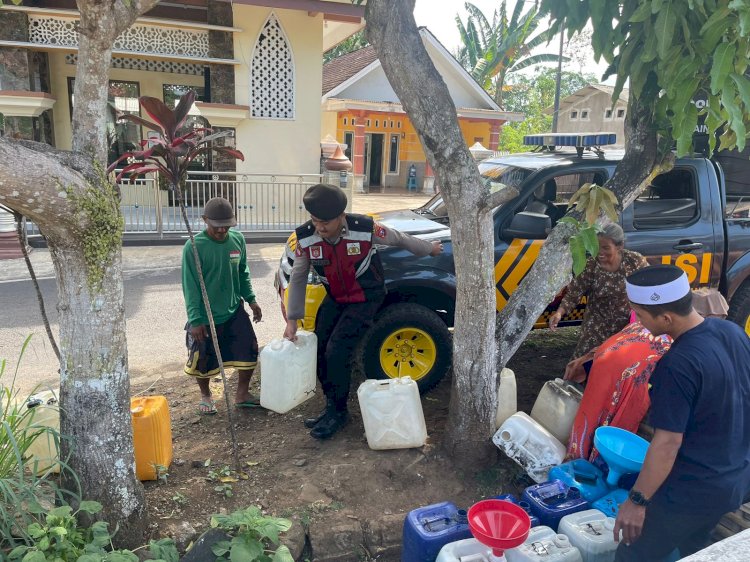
(33, 181)
(501, 197)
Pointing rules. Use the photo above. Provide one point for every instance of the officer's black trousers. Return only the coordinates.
(339, 328)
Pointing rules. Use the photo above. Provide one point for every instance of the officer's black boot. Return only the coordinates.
(333, 420)
(312, 422)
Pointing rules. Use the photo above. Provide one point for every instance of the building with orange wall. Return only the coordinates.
(361, 110)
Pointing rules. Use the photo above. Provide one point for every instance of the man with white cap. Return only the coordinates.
(340, 247)
(698, 464)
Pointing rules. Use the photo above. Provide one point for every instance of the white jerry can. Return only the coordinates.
(530, 445)
(392, 413)
(43, 416)
(556, 407)
(592, 532)
(544, 545)
(288, 372)
(507, 397)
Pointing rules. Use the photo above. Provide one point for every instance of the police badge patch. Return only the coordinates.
(353, 249)
(316, 253)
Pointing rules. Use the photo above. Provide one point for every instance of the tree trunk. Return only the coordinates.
(424, 96)
(78, 211)
(101, 22)
(95, 389)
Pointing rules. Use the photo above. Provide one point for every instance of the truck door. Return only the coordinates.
(670, 223)
(514, 257)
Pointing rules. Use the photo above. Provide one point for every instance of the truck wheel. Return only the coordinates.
(407, 340)
(739, 308)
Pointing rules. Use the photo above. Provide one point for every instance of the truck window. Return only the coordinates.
(551, 198)
(671, 201)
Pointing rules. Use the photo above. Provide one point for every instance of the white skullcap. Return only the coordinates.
(658, 284)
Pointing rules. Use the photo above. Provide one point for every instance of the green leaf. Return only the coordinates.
(571, 221)
(34, 556)
(90, 558)
(666, 21)
(282, 554)
(100, 534)
(723, 62)
(90, 507)
(578, 251)
(121, 556)
(164, 549)
(62, 511)
(590, 240)
(641, 14)
(245, 550)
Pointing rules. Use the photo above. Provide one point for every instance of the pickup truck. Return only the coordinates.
(686, 217)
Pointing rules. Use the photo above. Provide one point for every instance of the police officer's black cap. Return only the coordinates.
(218, 212)
(324, 201)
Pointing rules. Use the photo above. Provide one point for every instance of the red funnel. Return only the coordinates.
(498, 524)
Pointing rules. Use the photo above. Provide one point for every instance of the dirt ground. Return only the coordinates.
(348, 502)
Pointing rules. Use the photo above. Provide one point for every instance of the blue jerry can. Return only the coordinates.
(526, 507)
(610, 504)
(428, 529)
(583, 475)
(553, 500)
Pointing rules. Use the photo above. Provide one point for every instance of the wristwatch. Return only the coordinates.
(638, 498)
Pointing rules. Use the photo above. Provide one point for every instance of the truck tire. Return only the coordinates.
(407, 340)
(739, 308)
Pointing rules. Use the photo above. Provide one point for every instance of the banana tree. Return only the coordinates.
(169, 153)
(491, 51)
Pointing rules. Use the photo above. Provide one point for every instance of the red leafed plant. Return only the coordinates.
(169, 154)
(174, 147)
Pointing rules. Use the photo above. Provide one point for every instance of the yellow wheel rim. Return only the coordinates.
(408, 352)
(747, 325)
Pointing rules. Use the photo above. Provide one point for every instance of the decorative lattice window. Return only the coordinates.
(272, 73)
(172, 67)
(138, 38)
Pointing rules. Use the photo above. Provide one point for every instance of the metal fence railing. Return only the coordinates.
(262, 202)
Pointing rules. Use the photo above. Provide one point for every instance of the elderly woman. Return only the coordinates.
(603, 283)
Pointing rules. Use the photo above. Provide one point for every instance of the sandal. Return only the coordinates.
(207, 407)
(252, 402)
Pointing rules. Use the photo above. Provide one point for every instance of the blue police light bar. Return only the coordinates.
(578, 140)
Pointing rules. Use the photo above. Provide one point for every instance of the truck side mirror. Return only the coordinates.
(528, 225)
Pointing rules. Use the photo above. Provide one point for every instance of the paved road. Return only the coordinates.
(154, 311)
(154, 307)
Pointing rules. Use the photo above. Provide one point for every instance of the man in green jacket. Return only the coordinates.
(223, 260)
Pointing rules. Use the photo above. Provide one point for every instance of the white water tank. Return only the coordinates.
(592, 532)
(392, 413)
(530, 445)
(288, 372)
(556, 407)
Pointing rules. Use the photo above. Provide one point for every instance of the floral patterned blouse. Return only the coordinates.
(607, 306)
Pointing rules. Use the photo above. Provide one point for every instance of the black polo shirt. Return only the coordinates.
(701, 388)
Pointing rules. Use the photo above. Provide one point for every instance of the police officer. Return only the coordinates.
(340, 247)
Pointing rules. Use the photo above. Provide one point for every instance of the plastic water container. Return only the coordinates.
(45, 413)
(556, 406)
(610, 504)
(392, 413)
(544, 545)
(428, 529)
(583, 475)
(591, 532)
(525, 441)
(152, 435)
(526, 507)
(288, 372)
(468, 550)
(507, 397)
(553, 500)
